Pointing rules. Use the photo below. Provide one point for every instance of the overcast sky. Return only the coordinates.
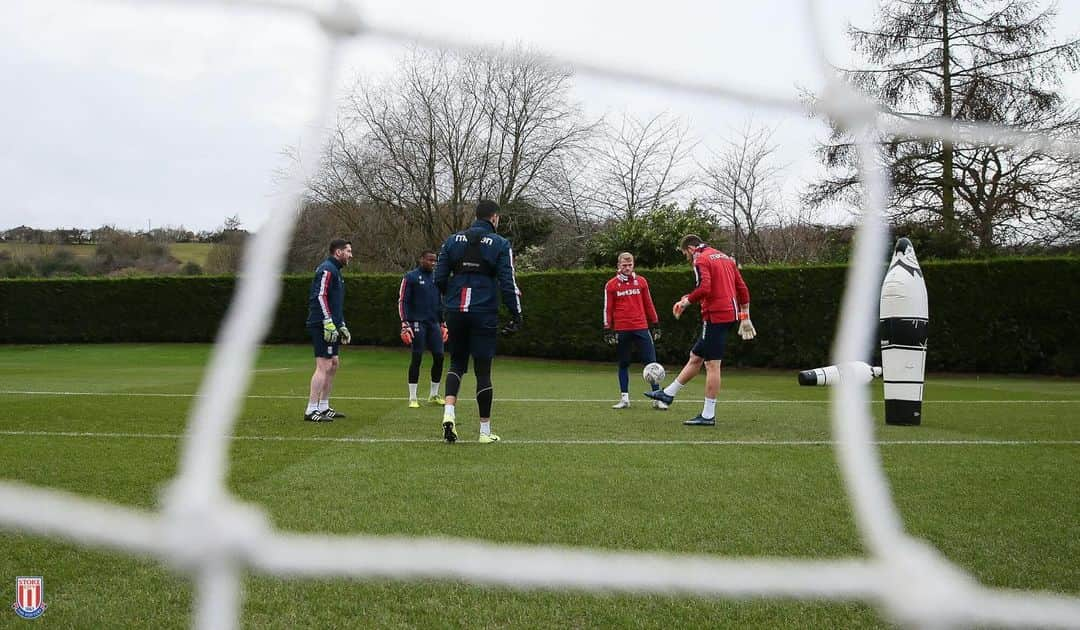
(133, 114)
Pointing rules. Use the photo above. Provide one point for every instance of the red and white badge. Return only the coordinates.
(29, 597)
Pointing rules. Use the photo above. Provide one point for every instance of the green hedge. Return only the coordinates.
(1013, 315)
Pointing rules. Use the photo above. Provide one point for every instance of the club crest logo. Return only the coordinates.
(29, 597)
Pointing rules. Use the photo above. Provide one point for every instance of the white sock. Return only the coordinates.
(624, 396)
(434, 389)
(412, 391)
(324, 405)
(449, 411)
(485, 428)
(673, 388)
(710, 408)
(311, 406)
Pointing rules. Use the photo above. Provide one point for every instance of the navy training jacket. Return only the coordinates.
(326, 299)
(419, 299)
(478, 292)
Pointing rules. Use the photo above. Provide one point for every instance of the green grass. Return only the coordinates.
(184, 252)
(1007, 513)
(24, 250)
(191, 252)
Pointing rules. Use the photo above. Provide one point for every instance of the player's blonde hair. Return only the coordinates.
(626, 256)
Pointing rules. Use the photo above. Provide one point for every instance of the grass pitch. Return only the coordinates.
(990, 479)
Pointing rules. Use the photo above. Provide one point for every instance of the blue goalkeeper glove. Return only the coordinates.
(346, 336)
(329, 331)
(610, 337)
(656, 333)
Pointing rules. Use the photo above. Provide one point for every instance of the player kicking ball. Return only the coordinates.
(630, 320)
(724, 299)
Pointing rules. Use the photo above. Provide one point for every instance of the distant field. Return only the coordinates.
(191, 252)
(21, 250)
(184, 252)
(986, 480)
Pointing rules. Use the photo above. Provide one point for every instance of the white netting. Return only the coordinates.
(207, 532)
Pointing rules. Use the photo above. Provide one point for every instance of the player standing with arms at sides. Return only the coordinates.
(420, 309)
(628, 315)
(326, 324)
(724, 298)
(475, 267)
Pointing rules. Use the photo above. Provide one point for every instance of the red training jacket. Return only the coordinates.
(628, 304)
(719, 286)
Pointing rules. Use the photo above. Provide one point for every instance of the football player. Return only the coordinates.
(475, 267)
(720, 290)
(326, 325)
(422, 326)
(629, 315)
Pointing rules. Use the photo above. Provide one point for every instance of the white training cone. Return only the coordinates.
(858, 371)
(904, 317)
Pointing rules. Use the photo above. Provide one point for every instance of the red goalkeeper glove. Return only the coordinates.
(406, 333)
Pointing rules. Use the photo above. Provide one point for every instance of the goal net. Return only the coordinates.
(205, 531)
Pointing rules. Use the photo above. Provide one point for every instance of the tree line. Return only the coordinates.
(412, 152)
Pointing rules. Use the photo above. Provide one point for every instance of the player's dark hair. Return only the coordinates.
(690, 240)
(486, 209)
(338, 243)
(424, 253)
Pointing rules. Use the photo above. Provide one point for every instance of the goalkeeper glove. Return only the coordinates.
(680, 306)
(406, 333)
(611, 337)
(513, 325)
(329, 331)
(746, 330)
(445, 333)
(346, 336)
(656, 333)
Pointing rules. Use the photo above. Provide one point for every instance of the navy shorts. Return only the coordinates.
(322, 349)
(427, 336)
(713, 341)
(640, 338)
(472, 333)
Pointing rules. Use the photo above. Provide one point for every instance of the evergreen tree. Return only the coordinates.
(968, 61)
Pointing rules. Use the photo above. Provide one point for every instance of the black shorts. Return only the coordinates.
(713, 341)
(427, 336)
(322, 349)
(472, 333)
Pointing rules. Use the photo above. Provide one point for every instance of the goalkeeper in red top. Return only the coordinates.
(724, 299)
(628, 315)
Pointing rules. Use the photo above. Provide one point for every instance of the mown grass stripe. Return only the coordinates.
(740, 401)
(360, 440)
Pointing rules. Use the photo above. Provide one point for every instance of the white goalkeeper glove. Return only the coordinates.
(746, 330)
(346, 336)
(680, 306)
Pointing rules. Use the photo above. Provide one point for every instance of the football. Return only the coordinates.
(653, 373)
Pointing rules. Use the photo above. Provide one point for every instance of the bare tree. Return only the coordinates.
(446, 129)
(743, 189)
(642, 165)
(531, 123)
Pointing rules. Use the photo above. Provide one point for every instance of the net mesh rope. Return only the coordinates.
(204, 531)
